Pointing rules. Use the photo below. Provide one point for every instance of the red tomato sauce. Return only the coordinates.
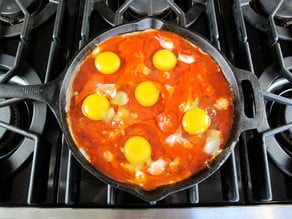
(196, 79)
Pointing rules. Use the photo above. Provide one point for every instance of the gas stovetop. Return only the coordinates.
(38, 38)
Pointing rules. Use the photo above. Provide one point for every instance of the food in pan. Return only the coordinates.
(149, 108)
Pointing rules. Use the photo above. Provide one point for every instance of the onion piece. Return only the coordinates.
(157, 167)
(120, 99)
(106, 89)
(221, 103)
(212, 142)
(166, 44)
(186, 58)
(178, 139)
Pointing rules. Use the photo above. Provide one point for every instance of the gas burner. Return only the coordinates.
(11, 13)
(149, 7)
(256, 13)
(283, 15)
(8, 140)
(139, 9)
(279, 146)
(279, 115)
(15, 148)
(117, 12)
(11, 16)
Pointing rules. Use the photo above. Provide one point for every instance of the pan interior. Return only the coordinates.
(145, 24)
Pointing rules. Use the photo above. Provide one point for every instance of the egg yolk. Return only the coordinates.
(107, 62)
(164, 60)
(146, 93)
(95, 107)
(196, 121)
(137, 150)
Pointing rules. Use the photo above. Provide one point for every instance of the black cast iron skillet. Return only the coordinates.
(57, 93)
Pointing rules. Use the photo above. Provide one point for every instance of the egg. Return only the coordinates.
(164, 59)
(196, 121)
(146, 93)
(95, 107)
(137, 150)
(107, 62)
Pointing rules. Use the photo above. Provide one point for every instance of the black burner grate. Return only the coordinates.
(50, 175)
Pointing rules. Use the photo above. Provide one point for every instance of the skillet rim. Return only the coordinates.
(198, 40)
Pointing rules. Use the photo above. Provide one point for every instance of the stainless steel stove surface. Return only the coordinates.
(39, 177)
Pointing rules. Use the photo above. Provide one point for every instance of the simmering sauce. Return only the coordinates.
(149, 108)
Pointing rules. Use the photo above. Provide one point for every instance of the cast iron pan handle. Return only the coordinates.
(47, 93)
(257, 120)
